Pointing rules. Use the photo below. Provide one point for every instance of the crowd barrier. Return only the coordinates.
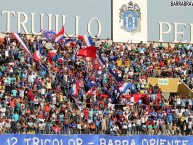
(21, 139)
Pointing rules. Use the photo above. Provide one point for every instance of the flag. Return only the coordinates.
(114, 75)
(87, 52)
(16, 35)
(42, 51)
(136, 97)
(49, 34)
(113, 58)
(74, 89)
(51, 55)
(37, 56)
(87, 40)
(104, 95)
(44, 67)
(60, 36)
(91, 92)
(81, 83)
(102, 62)
(70, 42)
(123, 88)
(79, 42)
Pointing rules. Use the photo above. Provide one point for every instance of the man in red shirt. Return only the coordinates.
(86, 113)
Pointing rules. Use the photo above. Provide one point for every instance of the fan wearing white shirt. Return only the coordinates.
(115, 128)
(43, 91)
(6, 53)
(2, 110)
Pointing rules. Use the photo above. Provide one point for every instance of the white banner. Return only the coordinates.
(129, 20)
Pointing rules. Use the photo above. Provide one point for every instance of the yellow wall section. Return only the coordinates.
(172, 85)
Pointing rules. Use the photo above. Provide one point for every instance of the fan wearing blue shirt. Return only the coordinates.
(14, 93)
(170, 118)
(15, 117)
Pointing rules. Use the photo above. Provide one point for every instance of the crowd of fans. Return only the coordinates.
(35, 97)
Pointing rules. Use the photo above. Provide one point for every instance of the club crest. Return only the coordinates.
(130, 16)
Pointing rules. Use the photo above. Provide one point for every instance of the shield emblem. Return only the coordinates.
(130, 15)
(130, 21)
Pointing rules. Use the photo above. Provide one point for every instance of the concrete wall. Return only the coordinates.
(170, 86)
(184, 90)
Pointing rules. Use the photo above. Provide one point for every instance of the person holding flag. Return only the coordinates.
(61, 35)
(89, 50)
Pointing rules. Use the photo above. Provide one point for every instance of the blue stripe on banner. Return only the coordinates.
(23, 43)
(102, 62)
(114, 75)
(90, 40)
(113, 58)
(126, 88)
(71, 90)
(59, 39)
(69, 40)
(110, 71)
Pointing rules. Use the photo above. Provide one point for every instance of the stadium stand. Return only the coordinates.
(62, 93)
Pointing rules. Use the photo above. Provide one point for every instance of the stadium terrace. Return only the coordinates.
(122, 86)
